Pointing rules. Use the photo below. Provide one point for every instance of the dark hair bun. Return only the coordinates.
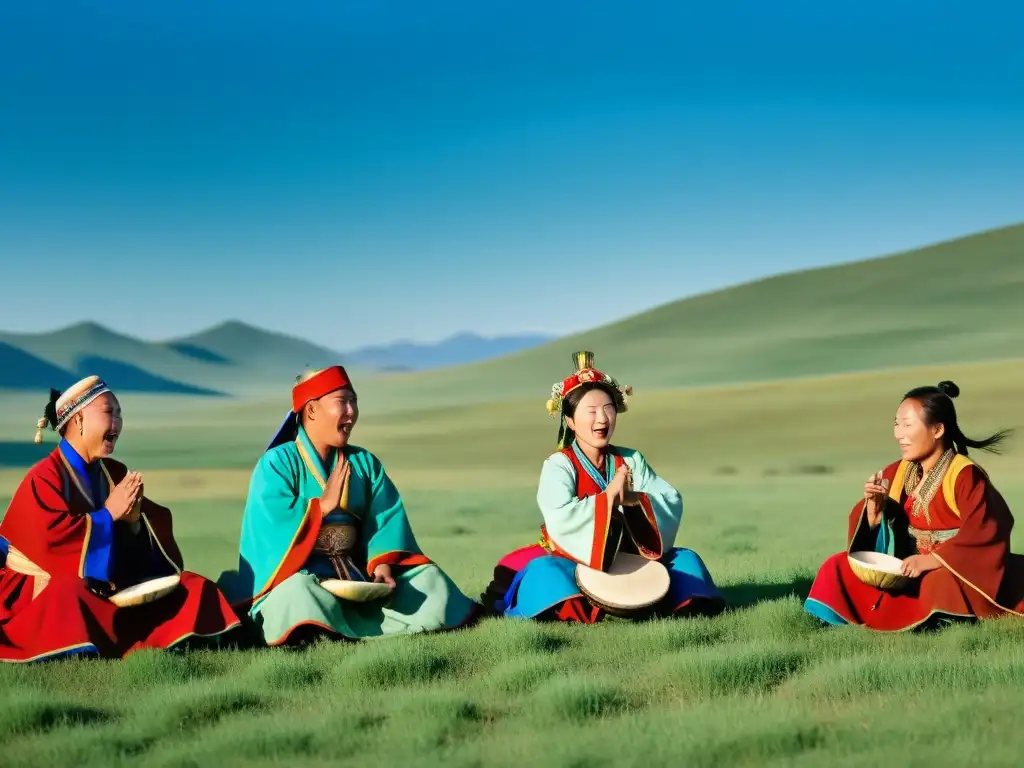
(949, 389)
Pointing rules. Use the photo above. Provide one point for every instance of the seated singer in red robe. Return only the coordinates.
(938, 512)
(78, 529)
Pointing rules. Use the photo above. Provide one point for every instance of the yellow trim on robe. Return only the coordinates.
(85, 546)
(945, 565)
(73, 477)
(314, 469)
(956, 466)
(156, 540)
(896, 487)
(78, 483)
(311, 465)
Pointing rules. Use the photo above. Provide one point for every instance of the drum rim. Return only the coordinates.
(370, 587)
(616, 607)
(170, 581)
(145, 598)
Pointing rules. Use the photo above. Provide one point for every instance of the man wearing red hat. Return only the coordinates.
(326, 546)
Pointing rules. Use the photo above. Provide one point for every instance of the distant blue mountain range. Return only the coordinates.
(460, 349)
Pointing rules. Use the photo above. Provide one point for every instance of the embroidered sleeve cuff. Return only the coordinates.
(399, 559)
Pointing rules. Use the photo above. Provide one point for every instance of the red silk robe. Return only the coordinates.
(60, 540)
(979, 577)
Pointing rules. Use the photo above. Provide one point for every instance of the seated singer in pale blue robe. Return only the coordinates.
(539, 581)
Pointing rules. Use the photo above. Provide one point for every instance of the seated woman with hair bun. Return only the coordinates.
(598, 501)
(937, 511)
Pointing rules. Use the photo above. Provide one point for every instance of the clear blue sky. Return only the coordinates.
(354, 172)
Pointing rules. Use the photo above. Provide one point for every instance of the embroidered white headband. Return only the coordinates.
(64, 405)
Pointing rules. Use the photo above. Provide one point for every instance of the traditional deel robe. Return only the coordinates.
(967, 529)
(539, 581)
(280, 565)
(60, 548)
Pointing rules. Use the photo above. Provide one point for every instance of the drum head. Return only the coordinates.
(632, 583)
(356, 591)
(146, 592)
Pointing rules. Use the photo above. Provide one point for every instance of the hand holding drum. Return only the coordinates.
(876, 490)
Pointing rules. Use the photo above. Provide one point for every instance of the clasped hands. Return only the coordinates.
(619, 491)
(330, 499)
(125, 499)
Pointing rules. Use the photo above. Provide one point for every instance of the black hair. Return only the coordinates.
(50, 411)
(937, 405)
(572, 401)
(50, 416)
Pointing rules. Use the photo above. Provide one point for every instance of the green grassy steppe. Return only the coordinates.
(768, 468)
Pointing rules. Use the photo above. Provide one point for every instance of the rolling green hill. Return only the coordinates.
(90, 348)
(237, 343)
(961, 300)
(232, 358)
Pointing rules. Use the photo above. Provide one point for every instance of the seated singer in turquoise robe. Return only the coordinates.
(286, 550)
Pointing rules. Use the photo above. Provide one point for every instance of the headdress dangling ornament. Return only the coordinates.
(584, 373)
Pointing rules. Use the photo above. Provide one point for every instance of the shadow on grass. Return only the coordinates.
(739, 596)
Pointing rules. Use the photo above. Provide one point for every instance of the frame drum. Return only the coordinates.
(146, 592)
(356, 591)
(633, 585)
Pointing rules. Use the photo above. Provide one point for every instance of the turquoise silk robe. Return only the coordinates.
(280, 570)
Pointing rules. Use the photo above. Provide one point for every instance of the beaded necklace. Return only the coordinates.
(930, 485)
